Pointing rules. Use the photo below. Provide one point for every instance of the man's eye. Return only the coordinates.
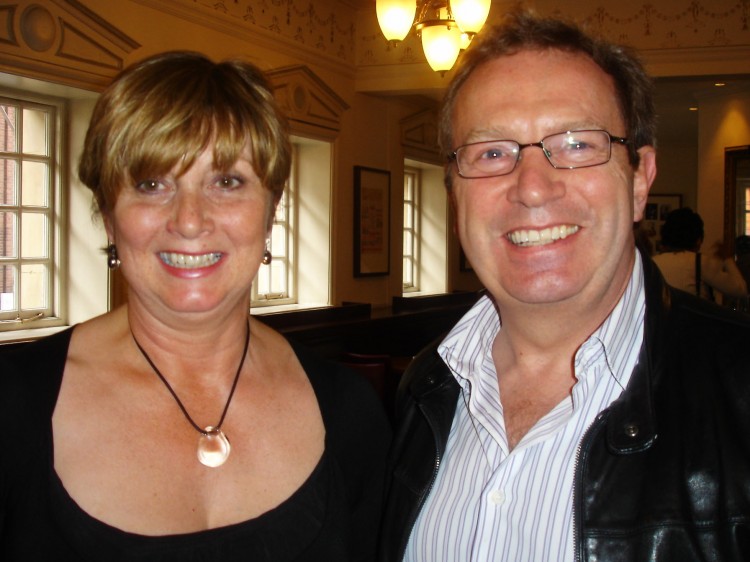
(577, 146)
(494, 153)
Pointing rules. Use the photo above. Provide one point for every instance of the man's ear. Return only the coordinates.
(642, 180)
(453, 209)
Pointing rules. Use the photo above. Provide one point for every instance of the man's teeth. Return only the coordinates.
(189, 261)
(541, 237)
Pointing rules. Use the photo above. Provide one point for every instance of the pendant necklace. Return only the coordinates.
(213, 445)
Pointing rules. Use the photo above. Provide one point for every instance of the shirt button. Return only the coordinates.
(497, 497)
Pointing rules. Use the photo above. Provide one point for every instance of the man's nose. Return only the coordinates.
(537, 181)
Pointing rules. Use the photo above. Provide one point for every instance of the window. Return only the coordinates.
(425, 229)
(274, 282)
(30, 268)
(299, 273)
(411, 229)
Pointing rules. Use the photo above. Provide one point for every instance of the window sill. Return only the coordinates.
(262, 310)
(16, 336)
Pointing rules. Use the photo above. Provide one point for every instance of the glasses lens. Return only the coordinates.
(578, 149)
(487, 159)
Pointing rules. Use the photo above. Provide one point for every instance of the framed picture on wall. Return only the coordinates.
(372, 204)
(658, 206)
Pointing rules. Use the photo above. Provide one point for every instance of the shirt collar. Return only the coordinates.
(618, 333)
(469, 344)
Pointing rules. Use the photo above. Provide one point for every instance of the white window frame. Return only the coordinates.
(411, 230)
(282, 247)
(50, 314)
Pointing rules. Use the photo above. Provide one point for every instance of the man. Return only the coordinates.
(582, 410)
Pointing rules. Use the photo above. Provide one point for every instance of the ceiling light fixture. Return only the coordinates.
(445, 26)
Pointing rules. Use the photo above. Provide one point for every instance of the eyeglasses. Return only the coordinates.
(568, 150)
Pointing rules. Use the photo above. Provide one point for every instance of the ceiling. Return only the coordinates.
(674, 96)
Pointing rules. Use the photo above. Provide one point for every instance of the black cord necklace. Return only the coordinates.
(213, 445)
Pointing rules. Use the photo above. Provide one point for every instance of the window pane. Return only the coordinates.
(278, 279)
(408, 186)
(263, 279)
(278, 241)
(9, 117)
(7, 288)
(8, 177)
(33, 235)
(408, 241)
(34, 186)
(35, 132)
(408, 216)
(8, 235)
(408, 268)
(33, 286)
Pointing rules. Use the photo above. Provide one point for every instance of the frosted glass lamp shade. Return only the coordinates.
(395, 17)
(470, 15)
(441, 45)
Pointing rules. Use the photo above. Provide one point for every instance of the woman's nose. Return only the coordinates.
(191, 214)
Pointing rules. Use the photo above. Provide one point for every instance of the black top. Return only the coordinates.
(332, 517)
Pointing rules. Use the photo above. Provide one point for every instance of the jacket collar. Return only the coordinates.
(632, 426)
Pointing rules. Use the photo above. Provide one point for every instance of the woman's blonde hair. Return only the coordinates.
(165, 110)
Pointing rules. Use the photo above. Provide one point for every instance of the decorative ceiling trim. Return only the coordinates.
(306, 99)
(646, 26)
(312, 32)
(61, 41)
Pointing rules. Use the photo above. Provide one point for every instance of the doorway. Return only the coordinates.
(736, 194)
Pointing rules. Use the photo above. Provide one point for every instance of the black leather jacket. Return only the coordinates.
(663, 474)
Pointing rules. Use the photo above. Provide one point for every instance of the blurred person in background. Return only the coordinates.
(686, 268)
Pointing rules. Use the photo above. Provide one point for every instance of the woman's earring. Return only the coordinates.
(113, 262)
(267, 257)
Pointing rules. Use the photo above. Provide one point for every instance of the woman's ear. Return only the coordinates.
(108, 227)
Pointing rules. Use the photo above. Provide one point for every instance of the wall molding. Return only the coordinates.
(306, 99)
(61, 41)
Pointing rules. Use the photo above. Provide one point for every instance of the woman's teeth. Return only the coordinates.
(189, 261)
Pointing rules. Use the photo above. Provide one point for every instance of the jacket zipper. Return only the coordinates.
(578, 482)
(426, 491)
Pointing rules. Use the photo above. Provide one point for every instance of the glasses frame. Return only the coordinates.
(453, 156)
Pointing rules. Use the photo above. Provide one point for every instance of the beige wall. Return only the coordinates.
(677, 171)
(351, 58)
(724, 122)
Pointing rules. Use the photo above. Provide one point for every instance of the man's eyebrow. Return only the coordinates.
(490, 134)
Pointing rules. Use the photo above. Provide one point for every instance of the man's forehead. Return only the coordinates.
(562, 83)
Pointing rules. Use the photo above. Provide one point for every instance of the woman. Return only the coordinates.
(177, 427)
(683, 265)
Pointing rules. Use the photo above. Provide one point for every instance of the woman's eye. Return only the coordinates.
(149, 186)
(229, 182)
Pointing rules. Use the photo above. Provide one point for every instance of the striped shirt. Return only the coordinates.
(489, 504)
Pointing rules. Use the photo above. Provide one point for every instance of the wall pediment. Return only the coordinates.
(306, 99)
(419, 136)
(61, 41)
